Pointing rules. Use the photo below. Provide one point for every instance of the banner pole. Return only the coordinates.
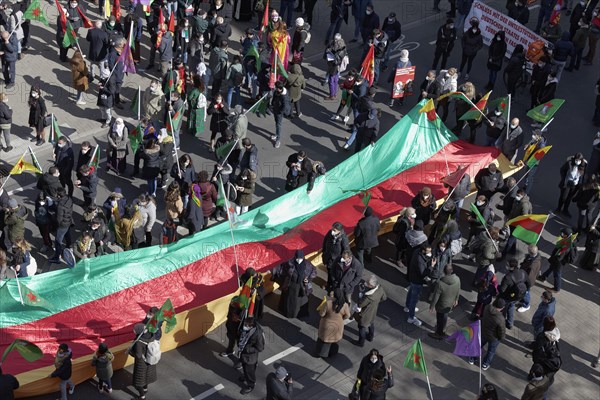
(508, 115)
(543, 226)
(18, 285)
(139, 115)
(429, 386)
(480, 352)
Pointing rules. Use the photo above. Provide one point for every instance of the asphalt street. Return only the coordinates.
(196, 371)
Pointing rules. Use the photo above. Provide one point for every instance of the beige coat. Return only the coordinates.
(174, 209)
(331, 327)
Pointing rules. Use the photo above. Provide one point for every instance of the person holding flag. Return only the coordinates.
(334, 55)
(250, 344)
(116, 66)
(143, 372)
(76, 16)
(565, 252)
(571, 179)
(370, 363)
(493, 331)
(537, 142)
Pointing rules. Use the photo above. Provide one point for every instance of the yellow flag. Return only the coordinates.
(22, 165)
(107, 9)
(323, 304)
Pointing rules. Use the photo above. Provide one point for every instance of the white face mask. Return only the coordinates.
(451, 26)
(335, 233)
(246, 328)
(474, 30)
(390, 20)
(425, 197)
(244, 178)
(299, 260)
(73, 5)
(42, 203)
(498, 113)
(479, 203)
(578, 162)
(413, 216)
(518, 198)
(369, 12)
(35, 95)
(374, 359)
(428, 254)
(541, 65)
(442, 249)
(275, 19)
(513, 126)
(61, 145)
(498, 38)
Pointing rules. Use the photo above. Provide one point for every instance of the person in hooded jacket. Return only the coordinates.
(370, 295)
(496, 57)
(459, 192)
(63, 369)
(64, 159)
(519, 11)
(472, 42)
(295, 277)
(368, 365)
(545, 348)
(143, 373)
(299, 38)
(493, 331)
(444, 299)
(49, 182)
(403, 62)
(446, 35)
(571, 180)
(251, 343)
(295, 84)
(513, 73)
(331, 325)
(102, 360)
(538, 384)
(424, 205)
(64, 220)
(415, 238)
(100, 235)
(37, 113)
(381, 381)
(366, 235)
(403, 224)
(546, 308)
(486, 288)
(448, 80)
(14, 220)
(300, 167)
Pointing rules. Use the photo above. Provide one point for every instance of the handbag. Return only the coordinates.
(47, 120)
(354, 395)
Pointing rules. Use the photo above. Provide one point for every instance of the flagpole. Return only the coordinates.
(254, 105)
(93, 155)
(508, 115)
(230, 151)
(547, 123)
(235, 256)
(139, 115)
(177, 161)
(52, 128)
(429, 386)
(517, 184)
(18, 285)
(480, 352)
(477, 108)
(543, 226)
(113, 69)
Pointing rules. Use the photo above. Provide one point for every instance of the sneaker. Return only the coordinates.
(541, 278)
(225, 354)
(406, 309)
(346, 146)
(277, 144)
(71, 389)
(273, 138)
(7, 149)
(346, 119)
(471, 360)
(100, 388)
(391, 103)
(335, 117)
(523, 309)
(81, 102)
(415, 321)
(107, 390)
(485, 367)
(299, 115)
(247, 389)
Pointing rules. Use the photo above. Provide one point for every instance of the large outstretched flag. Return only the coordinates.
(476, 112)
(467, 341)
(535, 158)
(367, 69)
(429, 110)
(26, 349)
(544, 112)
(455, 177)
(166, 314)
(34, 13)
(529, 227)
(415, 359)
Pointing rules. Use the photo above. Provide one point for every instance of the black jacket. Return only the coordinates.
(5, 113)
(280, 103)
(445, 39)
(49, 184)
(64, 212)
(486, 181)
(278, 390)
(296, 178)
(255, 345)
(365, 232)
(118, 74)
(496, 52)
(393, 30)
(98, 39)
(65, 370)
(249, 158)
(89, 185)
(8, 384)
(433, 89)
(492, 324)
(344, 278)
(333, 247)
(65, 159)
(420, 268)
(472, 42)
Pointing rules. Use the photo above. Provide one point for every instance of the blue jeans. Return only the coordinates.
(172, 7)
(278, 121)
(492, 77)
(108, 383)
(526, 299)
(152, 186)
(334, 28)
(412, 298)
(357, 24)
(509, 313)
(491, 350)
(61, 234)
(377, 64)
(231, 91)
(354, 129)
(63, 388)
(287, 5)
(511, 246)
(253, 82)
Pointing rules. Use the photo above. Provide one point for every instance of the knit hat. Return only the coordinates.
(63, 347)
(281, 373)
(500, 303)
(404, 55)
(102, 347)
(299, 254)
(299, 21)
(12, 203)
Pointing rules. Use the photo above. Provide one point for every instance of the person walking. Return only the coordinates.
(571, 180)
(366, 235)
(80, 76)
(532, 264)
(369, 297)
(250, 345)
(368, 365)
(6, 114)
(446, 35)
(444, 299)
(9, 48)
(420, 267)
(144, 373)
(280, 385)
(63, 369)
(331, 325)
(565, 252)
(538, 384)
(513, 287)
(493, 331)
(472, 42)
(280, 107)
(102, 360)
(546, 308)
(546, 350)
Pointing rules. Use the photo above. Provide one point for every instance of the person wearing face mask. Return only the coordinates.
(359, 11)
(245, 185)
(430, 88)
(219, 111)
(153, 101)
(424, 205)
(100, 235)
(532, 264)
(563, 49)
(347, 273)
(370, 363)
(370, 295)
(448, 80)
(446, 35)
(580, 39)
(472, 42)
(251, 343)
(496, 54)
(519, 11)
(331, 326)
(113, 29)
(182, 40)
(546, 308)
(138, 26)
(415, 238)
(300, 167)
(118, 74)
(369, 23)
(539, 75)
(521, 206)
(444, 299)
(143, 373)
(280, 106)
(586, 200)
(334, 243)
(76, 15)
(483, 206)
(459, 192)
(571, 179)
(146, 205)
(43, 220)
(5, 121)
(509, 191)
(512, 141)
(64, 160)
(565, 252)
(37, 114)
(513, 73)
(295, 278)
(118, 140)
(174, 108)
(63, 369)
(88, 185)
(421, 265)
(403, 62)
(488, 181)
(365, 235)
(496, 123)
(79, 74)
(551, 30)
(392, 28)
(49, 182)
(441, 217)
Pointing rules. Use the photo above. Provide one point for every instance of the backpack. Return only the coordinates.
(153, 353)
(535, 51)
(517, 290)
(548, 356)
(456, 246)
(237, 78)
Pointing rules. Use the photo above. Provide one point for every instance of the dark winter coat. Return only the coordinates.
(98, 39)
(519, 208)
(209, 198)
(118, 74)
(166, 47)
(103, 364)
(565, 169)
(532, 266)
(277, 389)
(366, 370)
(433, 89)
(280, 103)
(510, 280)
(519, 13)
(151, 158)
(492, 324)
(49, 184)
(445, 39)
(254, 346)
(471, 42)
(423, 212)
(419, 269)
(245, 198)
(587, 198)
(37, 112)
(249, 158)
(218, 120)
(365, 232)
(5, 114)
(143, 373)
(89, 186)
(393, 30)
(346, 278)
(14, 220)
(462, 189)
(64, 159)
(64, 212)
(563, 48)
(497, 52)
(64, 371)
(446, 294)
(333, 247)
(368, 304)
(8, 383)
(295, 178)
(486, 181)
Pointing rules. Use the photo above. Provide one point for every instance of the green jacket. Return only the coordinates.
(368, 305)
(445, 294)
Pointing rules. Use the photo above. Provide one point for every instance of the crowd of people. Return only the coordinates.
(197, 77)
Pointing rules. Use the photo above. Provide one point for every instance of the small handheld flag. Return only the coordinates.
(415, 360)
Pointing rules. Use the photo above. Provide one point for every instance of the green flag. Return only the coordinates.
(174, 122)
(415, 359)
(544, 112)
(56, 133)
(221, 195)
(253, 52)
(135, 137)
(136, 103)
(281, 69)
(70, 38)
(166, 314)
(366, 197)
(224, 150)
(478, 215)
(95, 160)
(34, 160)
(34, 13)
(260, 107)
(27, 350)
(501, 103)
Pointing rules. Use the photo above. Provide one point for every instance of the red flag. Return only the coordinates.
(265, 19)
(161, 22)
(116, 11)
(171, 27)
(367, 69)
(63, 17)
(555, 16)
(454, 178)
(86, 21)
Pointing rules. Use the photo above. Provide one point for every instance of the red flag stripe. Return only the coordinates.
(530, 225)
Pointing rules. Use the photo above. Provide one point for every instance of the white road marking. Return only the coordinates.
(209, 392)
(284, 353)
(433, 41)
